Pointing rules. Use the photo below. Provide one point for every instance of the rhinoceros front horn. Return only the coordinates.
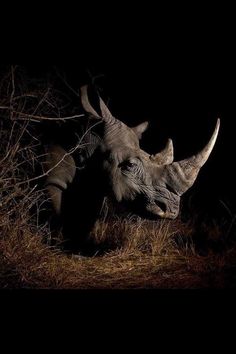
(182, 174)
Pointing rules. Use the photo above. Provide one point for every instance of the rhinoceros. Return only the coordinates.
(114, 164)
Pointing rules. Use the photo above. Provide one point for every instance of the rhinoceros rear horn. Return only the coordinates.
(184, 173)
(166, 156)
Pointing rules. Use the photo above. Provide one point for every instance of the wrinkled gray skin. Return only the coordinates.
(156, 180)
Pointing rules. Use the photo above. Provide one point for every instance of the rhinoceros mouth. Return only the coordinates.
(160, 210)
(148, 209)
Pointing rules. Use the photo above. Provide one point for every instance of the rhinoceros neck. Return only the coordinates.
(90, 143)
(88, 138)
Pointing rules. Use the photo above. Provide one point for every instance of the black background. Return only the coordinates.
(181, 85)
(173, 65)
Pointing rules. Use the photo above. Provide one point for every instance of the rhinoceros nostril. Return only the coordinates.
(161, 205)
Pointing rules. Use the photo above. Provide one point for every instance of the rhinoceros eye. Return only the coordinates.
(127, 165)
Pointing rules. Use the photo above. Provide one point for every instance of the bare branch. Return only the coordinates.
(34, 117)
(66, 83)
(13, 87)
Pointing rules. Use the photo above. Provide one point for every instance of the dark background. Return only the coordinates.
(171, 65)
(181, 92)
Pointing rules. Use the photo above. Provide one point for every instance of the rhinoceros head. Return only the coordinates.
(155, 182)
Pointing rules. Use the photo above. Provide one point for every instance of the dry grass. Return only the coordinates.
(142, 254)
(150, 255)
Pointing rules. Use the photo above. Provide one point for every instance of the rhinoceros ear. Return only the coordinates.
(106, 114)
(140, 129)
(85, 101)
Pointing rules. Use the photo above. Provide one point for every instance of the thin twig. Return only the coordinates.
(66, 83)
(46, 118)
(41, 101)
(33, 116)
(13, 90)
